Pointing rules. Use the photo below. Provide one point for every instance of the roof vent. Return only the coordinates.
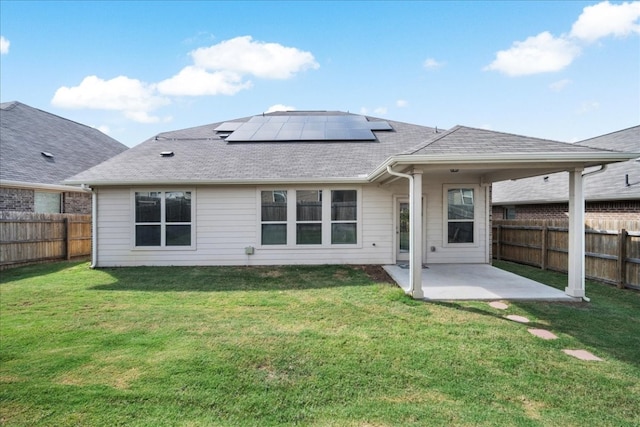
(47, 154)
(166, 154)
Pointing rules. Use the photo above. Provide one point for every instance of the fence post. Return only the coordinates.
(622, 255)
(67, 239)
(543, 255)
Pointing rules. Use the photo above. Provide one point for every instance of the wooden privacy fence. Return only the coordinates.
(29, 237)
(612, 248)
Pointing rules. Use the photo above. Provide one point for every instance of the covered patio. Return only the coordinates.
(450, 282)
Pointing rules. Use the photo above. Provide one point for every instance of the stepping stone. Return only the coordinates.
(499, 305)
(544, 334)
(519, 319)
(582, 355)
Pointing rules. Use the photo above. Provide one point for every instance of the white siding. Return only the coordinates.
(227, 221)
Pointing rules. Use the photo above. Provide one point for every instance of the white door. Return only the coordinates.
(402, 230)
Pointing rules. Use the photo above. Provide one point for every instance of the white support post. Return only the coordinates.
(575, 286)
(415, 219)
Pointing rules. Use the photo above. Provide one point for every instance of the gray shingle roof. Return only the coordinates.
(608, 185)
(202, 156)
(26, 132)
(462, 139)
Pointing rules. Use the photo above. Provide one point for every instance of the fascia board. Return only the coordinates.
(351, 180)
(38, 186)
(503, 159)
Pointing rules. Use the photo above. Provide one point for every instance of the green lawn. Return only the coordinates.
(316, 346)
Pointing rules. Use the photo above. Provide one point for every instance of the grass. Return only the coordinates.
(310, 346)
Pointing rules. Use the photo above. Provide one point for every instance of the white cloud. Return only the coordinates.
(4, 45)
(539, 54)
(547, 53)
(102, 128)
(401, 103)
(280, 107)
(432, 64)
(245, 56)
(133, 97)
(196, 81)
(606, 19)
(559, 85)
(221, 69)
(380, 110)
(588, 106)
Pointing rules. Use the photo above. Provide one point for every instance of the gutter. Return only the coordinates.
(505, 158)
(363, 179)
(38, 186)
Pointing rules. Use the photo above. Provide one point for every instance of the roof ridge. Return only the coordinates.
(423, 145)
(607, 134)
(515, 134)
(21, 104)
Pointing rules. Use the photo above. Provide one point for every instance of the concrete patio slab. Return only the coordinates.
(450, 282)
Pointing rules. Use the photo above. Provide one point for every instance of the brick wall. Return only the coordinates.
(77, 203)
(16, 199)
(618, 210)
(22, 200)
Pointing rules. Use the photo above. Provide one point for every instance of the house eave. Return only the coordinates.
(540, 160)
(561, 200)
(39, 186)
(195, 182)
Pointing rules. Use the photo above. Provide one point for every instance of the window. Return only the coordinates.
(509, 212)
(344, 216)
(163, 219)
(321, 217)
(274, 217)
(44, 202)
(309, 217)
(460, 215)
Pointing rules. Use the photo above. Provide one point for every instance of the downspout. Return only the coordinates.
(412, 285)
(584, 175)
(602, 169)
(94, 228)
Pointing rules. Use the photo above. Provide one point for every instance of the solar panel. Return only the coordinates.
(316, 127)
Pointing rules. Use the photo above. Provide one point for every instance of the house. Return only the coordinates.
(39, 150)
(319, 187)
(610, 193)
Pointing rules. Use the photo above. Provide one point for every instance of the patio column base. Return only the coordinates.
(575, 293)
(416, 294)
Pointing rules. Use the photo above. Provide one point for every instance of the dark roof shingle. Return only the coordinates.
(27, 132)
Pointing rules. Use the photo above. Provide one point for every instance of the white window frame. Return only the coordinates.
(326, 217)
(445, 215)
(163, 223)
(262, 222)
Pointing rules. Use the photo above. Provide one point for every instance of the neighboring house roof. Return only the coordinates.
(40, 147)
(203, 155)
(611, 184)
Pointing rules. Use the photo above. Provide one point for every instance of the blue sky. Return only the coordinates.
(565, 70)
